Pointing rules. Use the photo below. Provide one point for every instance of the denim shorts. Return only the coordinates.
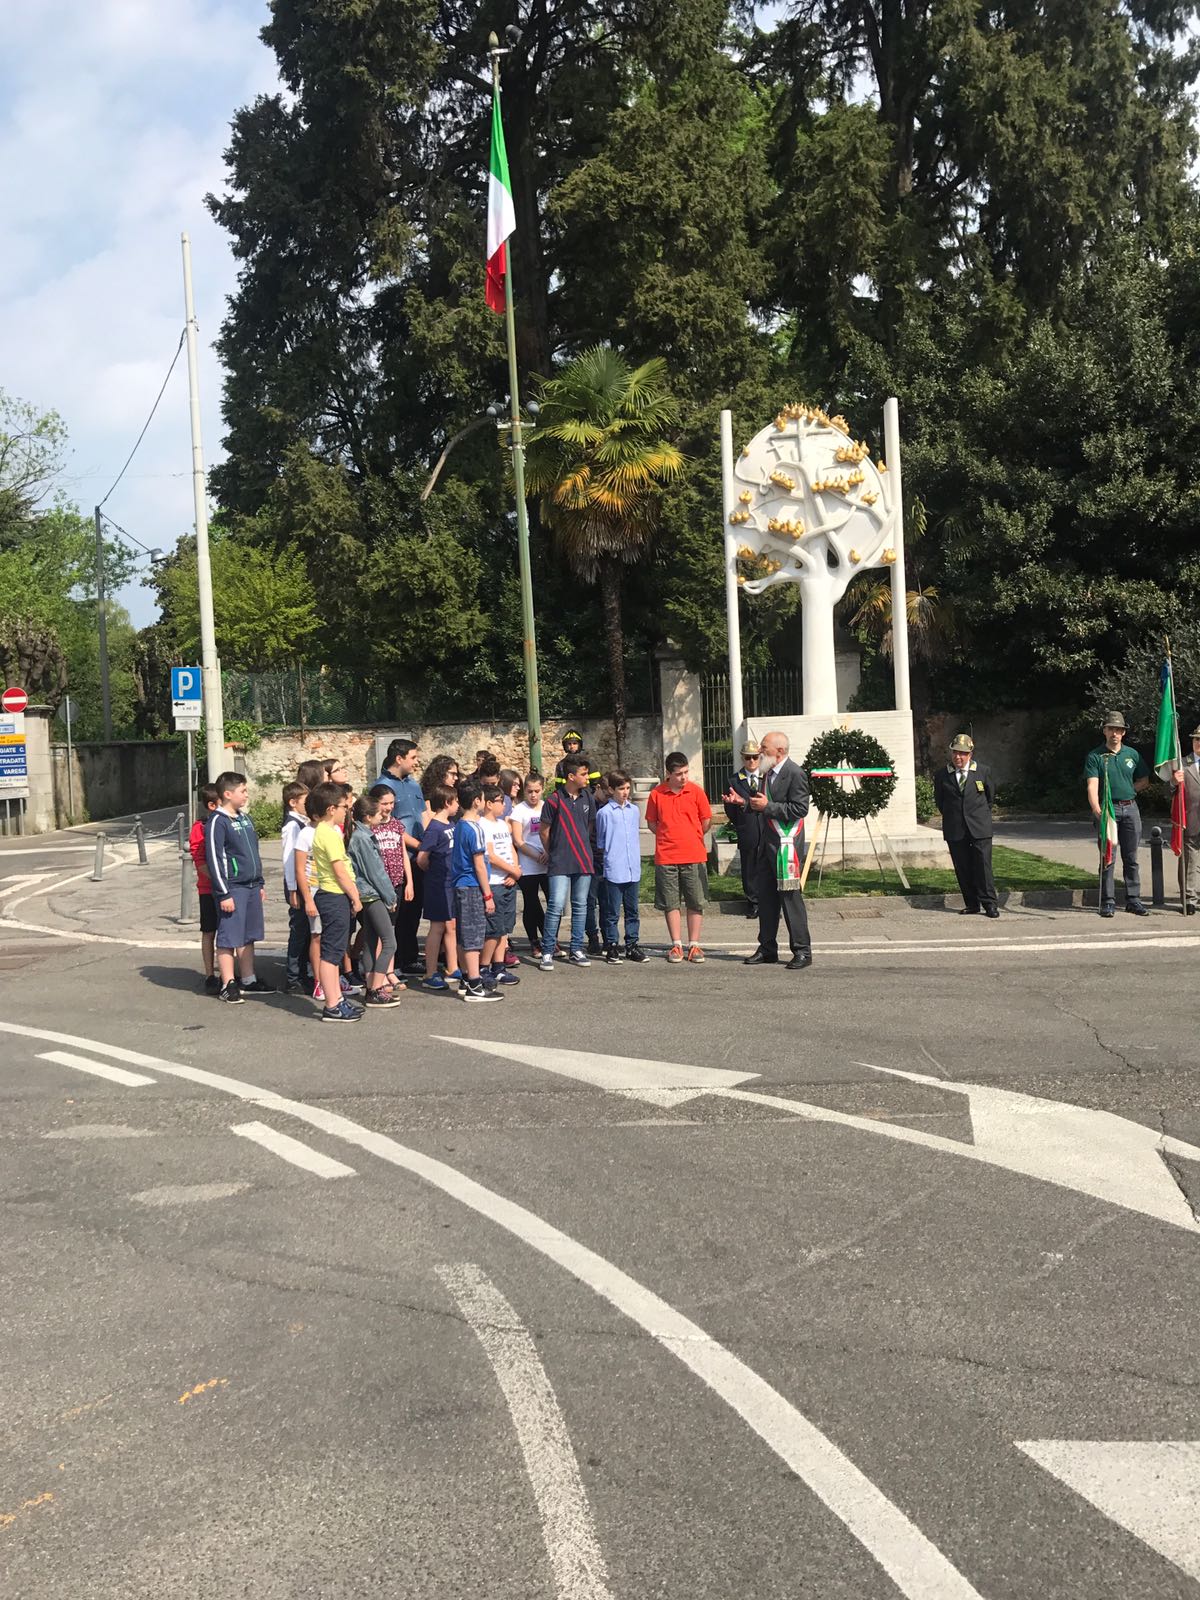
(502, 918)
(334, 912)
(471, 923)
(244, 924)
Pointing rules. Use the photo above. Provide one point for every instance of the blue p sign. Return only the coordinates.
(185, 685)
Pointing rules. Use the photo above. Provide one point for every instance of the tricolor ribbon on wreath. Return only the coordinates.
(789, 854)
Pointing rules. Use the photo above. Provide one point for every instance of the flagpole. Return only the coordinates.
(533, 713)
(1183, 841)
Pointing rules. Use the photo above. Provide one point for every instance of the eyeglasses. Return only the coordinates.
(750, 758)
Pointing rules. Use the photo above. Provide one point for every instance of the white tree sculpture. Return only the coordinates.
(810, 506)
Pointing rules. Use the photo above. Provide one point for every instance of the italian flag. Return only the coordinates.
(1166, 754)
(1108, 823)
(502, 220)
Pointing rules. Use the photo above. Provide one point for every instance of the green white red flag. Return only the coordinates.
(1108, 822)
(1167, 757)
(501, 218)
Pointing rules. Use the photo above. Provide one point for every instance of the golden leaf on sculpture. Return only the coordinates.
(855, 557)
(888, 557)
(745, 497)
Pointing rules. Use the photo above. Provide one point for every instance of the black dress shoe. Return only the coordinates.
(758, 959)
(992, 911)
(969, 911)
(1137, 909)
(752, 911)
(798, 963)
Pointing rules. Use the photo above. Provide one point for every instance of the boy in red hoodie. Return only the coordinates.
(197, 846)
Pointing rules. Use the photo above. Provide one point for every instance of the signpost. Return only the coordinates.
(14, 759)
(69, 713)
(187, 685)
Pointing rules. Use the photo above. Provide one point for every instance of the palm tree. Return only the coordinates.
(598, 462)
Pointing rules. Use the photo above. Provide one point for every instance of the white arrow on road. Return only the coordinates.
(1151, 1488)
(662, 1083)
(1092, 1152)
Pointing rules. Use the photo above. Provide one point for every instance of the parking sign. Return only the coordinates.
(186, 691)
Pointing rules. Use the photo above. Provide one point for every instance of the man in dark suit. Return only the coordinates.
(750, 826)
(783, 805)
(963, 792)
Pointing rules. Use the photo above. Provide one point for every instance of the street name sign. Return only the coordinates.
(14, 759)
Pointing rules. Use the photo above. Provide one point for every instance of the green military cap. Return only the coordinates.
(962, 741)
(1113, 719)
(750, 748)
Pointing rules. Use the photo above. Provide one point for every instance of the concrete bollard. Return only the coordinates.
(181, 826)
(187, 879)
(98, 863)
(1157, 897)
(139, 833)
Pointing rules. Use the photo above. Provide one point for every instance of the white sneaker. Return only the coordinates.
(546, 964)
(579, 959)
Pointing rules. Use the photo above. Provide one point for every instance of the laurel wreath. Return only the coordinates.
(838, 797)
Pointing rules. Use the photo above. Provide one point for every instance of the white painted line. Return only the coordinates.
(1149, 1487)
(293, 1150)
(50, 850)
(914, 1563)
(568, 1530)
(187, 1194)
(99, 1130)
(98, 1069)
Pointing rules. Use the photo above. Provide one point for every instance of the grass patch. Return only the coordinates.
(1013, 869)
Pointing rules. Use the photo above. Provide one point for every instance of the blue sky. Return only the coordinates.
(113, 119)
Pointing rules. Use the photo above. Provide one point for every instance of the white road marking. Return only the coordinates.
(914, 1563)
(293, 1150)
(99, 1069)
(99, 1130)
(659, 1082)
(568, 1530)
(50, 850)
(1017, 946)
(1095, 1153)
(1150, 1487)
(186, 1194)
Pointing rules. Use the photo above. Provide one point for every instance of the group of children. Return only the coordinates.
(352, 884)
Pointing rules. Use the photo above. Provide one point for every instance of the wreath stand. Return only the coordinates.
(860, 760)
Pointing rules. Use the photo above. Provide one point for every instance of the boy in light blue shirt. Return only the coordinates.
(618, 843)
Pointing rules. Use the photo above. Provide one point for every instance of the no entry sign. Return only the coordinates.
(14, 700)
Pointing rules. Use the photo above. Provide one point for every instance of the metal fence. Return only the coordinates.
(775, 692)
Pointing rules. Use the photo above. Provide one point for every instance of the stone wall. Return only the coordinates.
(113, 780)
(276, 759)
(1004, 740)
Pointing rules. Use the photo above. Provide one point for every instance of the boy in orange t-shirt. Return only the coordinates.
(679, 816)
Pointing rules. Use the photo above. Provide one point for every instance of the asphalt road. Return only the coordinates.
(648, 1282)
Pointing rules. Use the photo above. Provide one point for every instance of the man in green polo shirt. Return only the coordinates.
(1127, 776)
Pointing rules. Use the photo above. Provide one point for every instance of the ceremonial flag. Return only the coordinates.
(1167, 759)
(502, 219)
(1108, 823)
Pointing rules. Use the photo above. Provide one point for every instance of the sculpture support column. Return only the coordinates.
(733, 621)
(891, 446)
(817, 655)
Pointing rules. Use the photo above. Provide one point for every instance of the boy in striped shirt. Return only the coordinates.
(568, 833)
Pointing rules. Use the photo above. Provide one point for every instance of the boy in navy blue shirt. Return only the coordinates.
(472, 892)
(235, 867)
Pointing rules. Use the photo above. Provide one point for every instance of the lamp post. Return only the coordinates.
(533, 711)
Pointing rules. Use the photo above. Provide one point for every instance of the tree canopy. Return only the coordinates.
(985, 210)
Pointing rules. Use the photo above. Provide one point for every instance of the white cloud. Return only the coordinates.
(113, 120)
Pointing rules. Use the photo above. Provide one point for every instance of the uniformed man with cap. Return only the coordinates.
(750, 826)
(1189, 860)
(964, 792)
(1127, 775)
(572, 743)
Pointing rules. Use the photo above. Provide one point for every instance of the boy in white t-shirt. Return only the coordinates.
(525, 820)
(503, 873)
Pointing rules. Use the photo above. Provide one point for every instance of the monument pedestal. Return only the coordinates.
(898, 819)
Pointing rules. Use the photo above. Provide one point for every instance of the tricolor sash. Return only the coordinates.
(789, 854)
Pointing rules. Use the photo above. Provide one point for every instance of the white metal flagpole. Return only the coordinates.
(733, 620)
(210, 666)
(891, 451)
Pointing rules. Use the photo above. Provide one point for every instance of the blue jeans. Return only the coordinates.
(1129, 837)
(615, 898)
(576, 884)
(297, 945)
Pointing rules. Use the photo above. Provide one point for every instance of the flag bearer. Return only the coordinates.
(1115, 777)
(1189, 861)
